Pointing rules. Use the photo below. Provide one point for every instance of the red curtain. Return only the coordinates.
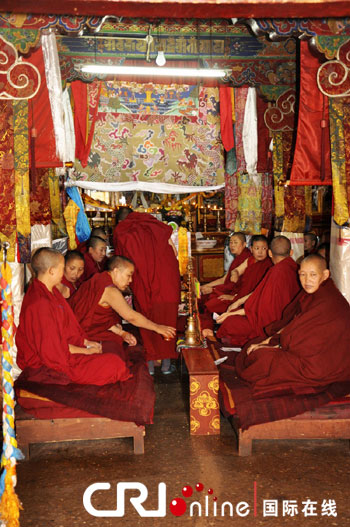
(226, 123)
(311, 163)
(84, 112)
(264, 156)
(43, 144)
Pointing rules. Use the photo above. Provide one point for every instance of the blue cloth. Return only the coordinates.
(82, 228)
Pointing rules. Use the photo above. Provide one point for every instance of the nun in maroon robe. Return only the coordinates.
(265, 305)
(309, 349)
(95, 319)
(227, 286)
(47, 327)
(251, 277)
(156, 279)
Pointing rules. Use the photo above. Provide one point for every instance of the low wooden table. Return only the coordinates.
(30, 430)
(204, 388)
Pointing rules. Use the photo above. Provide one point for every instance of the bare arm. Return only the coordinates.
(171, 243)
(208, 288)
(236, 273)
(125, 335)
(227, 314)
(113, 297)
(89, 350)
(238, 303)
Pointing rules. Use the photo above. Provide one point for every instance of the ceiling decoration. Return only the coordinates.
(68, 24)
(280, 117)
(215, 43)
(329, 45)
(307, 27)
(333, 77)
(18, 79)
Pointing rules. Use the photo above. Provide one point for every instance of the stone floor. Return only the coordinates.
(52, 483)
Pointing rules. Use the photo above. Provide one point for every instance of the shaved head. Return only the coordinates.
(313, 272)
(280, 246)
(45, 258)
(122, 213)
(98, 232)
(315, 259)
(73, 255)
(311, 236)
(94, 241)
(259, 238)
(119, 262)
(240, 236)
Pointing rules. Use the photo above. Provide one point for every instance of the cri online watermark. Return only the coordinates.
(211, 507)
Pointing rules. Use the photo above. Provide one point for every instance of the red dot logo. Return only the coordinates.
(199, 487)
(187, 491)
(177, 506)
(210, 491)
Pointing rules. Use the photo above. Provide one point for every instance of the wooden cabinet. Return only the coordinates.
(209, 263)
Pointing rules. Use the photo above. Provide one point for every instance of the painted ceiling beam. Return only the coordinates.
(183, 8)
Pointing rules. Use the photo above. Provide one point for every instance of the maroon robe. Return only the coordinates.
(47, 326)
(72, 287)
(82, 247)
(93, 318)
(227, 286)
(156, 279)
(251, 277)
(265, 305)
(91, 267)
(314, 347)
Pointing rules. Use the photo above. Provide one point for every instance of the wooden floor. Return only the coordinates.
(52, 483)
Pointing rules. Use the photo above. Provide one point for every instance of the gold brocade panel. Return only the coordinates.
(336, 124)
(292, 203)
(58, 223)
(21, 159)
(278, 179)
(7, 180)
(70, 215)
(249, 203)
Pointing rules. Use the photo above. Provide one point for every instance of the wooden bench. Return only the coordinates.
(204, 388)
(294, 428)
(313, 424)
(30, 430)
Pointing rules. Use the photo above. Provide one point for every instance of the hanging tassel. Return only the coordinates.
(9, 502)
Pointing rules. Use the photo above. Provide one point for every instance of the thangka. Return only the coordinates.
(162, 133)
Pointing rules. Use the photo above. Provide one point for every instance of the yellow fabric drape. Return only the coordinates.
(20, 121)
(183, 250)
(336, 117)
(233, 104)
(278, 173)
(249, 204)
(70, 215)
(58, 225)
